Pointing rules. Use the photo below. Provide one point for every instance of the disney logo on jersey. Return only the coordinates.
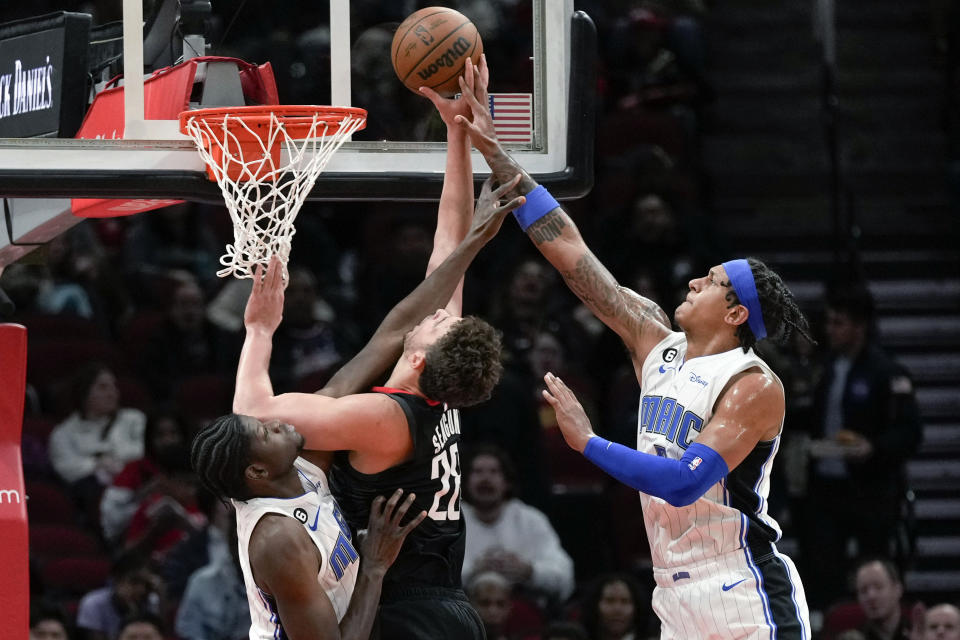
(448, 426)
(695, 378)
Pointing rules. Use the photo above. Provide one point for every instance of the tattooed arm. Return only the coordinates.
(637, 320)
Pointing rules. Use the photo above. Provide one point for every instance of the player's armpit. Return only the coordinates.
(285, 564)
(749, 410)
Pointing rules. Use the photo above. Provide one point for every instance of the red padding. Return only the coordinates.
(15, 586)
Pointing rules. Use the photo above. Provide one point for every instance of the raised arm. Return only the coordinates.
(435, 292)
(456, 198)
(638, 321)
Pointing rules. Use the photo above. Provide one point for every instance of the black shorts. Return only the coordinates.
(427, 613)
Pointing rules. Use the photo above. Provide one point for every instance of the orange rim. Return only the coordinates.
(297, 119)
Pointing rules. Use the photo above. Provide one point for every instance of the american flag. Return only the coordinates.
(512, 116)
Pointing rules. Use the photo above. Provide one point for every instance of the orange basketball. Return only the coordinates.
(430, 48)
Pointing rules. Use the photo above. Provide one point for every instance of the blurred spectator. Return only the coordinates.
(47, 622)
(214, 605)
(186, 344)
(133, 590)
(177, 238)
(879, 592)
(306, 343)
(507, 536)
(206, 546)
(941, 622)
(142, 626)
(509, 421)
(489, 592)
(165, 447)
(867, 424)
(564, 631)
(614, 608)
(169, 514)
(94, 442)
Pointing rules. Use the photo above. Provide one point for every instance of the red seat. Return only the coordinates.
(56, 360)
(38, 427)
(56, 541)
(525, 618)
(204, 397)
(47, 503)
(76, 574)
(47, 326)
(133, 393)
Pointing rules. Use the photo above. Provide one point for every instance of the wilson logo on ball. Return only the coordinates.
(447, 59)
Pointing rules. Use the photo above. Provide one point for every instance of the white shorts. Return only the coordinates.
(732, 597)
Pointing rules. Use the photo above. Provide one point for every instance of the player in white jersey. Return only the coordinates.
(302, 572)
(709, 427)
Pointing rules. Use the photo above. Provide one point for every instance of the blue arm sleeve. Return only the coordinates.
(679, 482)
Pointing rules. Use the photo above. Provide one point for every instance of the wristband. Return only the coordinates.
(539, 203)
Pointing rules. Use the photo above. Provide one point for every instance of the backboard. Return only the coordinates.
(541, 53)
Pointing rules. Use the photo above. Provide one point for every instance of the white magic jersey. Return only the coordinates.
(678, 400)
(320, 516)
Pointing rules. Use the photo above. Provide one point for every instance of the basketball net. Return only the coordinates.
(266, 160)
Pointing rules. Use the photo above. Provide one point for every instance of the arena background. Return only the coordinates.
(723, 129)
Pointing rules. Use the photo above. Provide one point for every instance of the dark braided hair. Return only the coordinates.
(781, 315)
(220, 455)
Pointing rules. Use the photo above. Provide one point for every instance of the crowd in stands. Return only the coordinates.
(133, 345)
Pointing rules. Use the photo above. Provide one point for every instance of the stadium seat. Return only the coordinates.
(203, 397)
(48, 541)
(47, 503)
(47, 326)
(76, 574)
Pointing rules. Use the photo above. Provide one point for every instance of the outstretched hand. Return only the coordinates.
(572, 419)
(385, 535)
(479, 122)
(489, 212)
(265, 305)
(450, 108)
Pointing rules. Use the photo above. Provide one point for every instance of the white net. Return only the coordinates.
(265, 187)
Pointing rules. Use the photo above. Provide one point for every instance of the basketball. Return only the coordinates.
(430, 48)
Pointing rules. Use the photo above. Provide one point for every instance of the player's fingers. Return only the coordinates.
(471, 97)
(401, 511)
(512, 204)
(484, 69)
(468, 72)
(410, 526)
(392, 503)
(487, 186)
(376, 508)
(432, 95)
(549, 398)
(258, 277)
(507, 186)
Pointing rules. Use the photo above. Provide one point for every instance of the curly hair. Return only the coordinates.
(781, 315)
(220, 454)
(462, 367)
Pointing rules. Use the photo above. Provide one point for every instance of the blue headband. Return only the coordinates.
(741, 278)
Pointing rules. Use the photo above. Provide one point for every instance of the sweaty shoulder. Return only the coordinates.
(756, 398)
